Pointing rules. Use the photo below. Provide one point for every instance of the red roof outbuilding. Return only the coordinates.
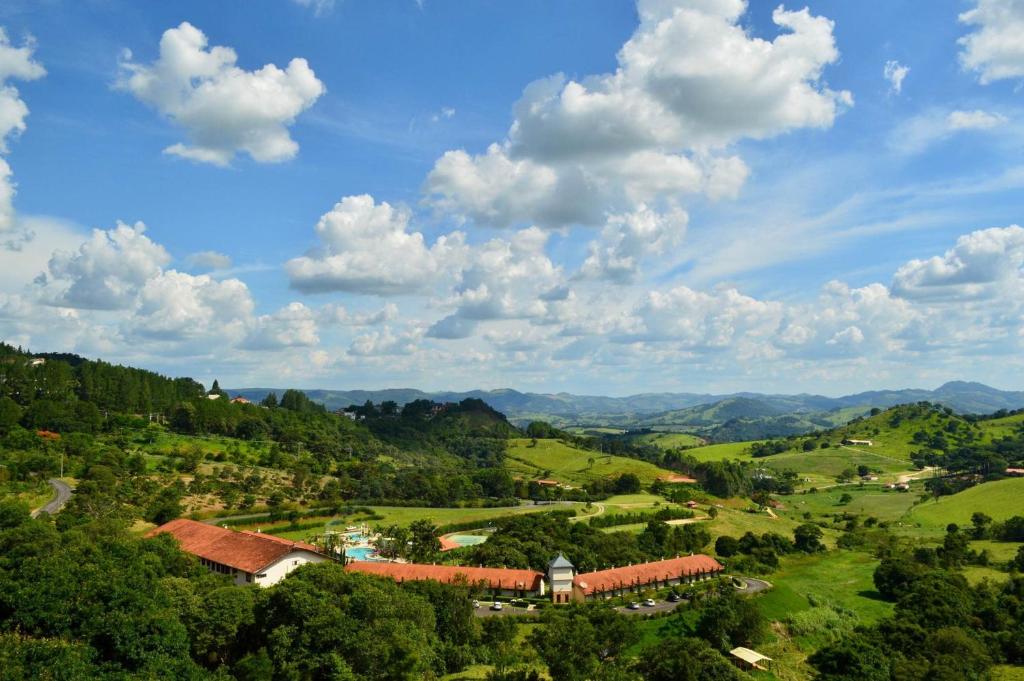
(246, 551)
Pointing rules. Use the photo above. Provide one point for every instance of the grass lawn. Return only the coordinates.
(401, 515)
(829, 463)
(997, 428)
(669, 440)
(1000, 499)
(559, 461)
(975, 574)
(867, 501)
(999, 551)
(1007, 672)
(721, 452)
(843, 578)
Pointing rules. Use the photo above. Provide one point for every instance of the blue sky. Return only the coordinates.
(601, 197)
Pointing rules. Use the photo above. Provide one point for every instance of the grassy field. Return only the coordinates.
(559, 461)
(1006, 672)
(999, 551)
(828, 463)
(997, 428)
(1000, 499)
(669, 440)
(721, 452)
(867, 501)
(401, 515)
(842, 578)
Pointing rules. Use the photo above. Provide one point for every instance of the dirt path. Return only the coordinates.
(577, 518)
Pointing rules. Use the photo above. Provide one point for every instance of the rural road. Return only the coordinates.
(577, 518)
(61, 495)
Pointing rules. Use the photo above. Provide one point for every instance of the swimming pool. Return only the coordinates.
(361, 553)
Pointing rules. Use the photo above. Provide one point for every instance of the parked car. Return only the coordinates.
(674, 597)
(649, 603)
(496, 606)
(633, 606)
(476, 603)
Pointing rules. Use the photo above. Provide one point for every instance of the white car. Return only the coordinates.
(476, 604)
(496, 606)
(633, 606)
(649, 603)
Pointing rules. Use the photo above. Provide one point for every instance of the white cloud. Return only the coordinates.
(921, 131)
(385, 342)
(974, 120)
(446, 112)
(366, 248)
(223, 109)
(895, 73)
(690, 81)
(292, 326)
(15, 63)
(994, 50)
(983, 264)
(176, 307)
(332, 314)
(627, 239)
(106, 272)
(209, 260)
(319, 7)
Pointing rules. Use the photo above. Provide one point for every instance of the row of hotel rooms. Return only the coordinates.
(254, 558)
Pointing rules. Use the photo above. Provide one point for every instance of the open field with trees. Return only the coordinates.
(554, 459)
(1000, 500)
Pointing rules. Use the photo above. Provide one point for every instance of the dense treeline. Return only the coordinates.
(532, 540)
(942, 627)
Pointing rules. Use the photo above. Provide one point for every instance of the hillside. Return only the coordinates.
(1000, 500)
(752, 415)
(556, 460)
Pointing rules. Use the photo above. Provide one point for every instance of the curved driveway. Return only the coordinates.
(61, 495)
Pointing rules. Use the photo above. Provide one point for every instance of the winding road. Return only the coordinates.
(61, 495)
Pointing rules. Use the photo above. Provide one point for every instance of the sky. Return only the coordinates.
(591, 196)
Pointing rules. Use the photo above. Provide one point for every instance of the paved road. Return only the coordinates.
(61, 495)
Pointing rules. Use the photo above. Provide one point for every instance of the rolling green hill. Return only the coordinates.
(1000, 500)
(558, 461)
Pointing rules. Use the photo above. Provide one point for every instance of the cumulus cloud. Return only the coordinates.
(208, 260)
(15, 63)
(106, 272)
(982, 264)
(366, 247)
(627, 239)
(175, 306)
(292, 326)
(690, 81)
(994, 49)
(895, 72)
(332, 314)
(223, 109)
(385, 342)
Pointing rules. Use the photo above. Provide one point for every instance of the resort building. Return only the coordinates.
(248, 557)
(656, 575)
(499, 581)
(858, 443)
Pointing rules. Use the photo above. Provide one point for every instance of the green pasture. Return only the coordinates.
(556, 460)
(842, 578)
(721, 452)
(1000, 499)
(668, 440)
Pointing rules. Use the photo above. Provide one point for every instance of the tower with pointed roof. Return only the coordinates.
(560, 575)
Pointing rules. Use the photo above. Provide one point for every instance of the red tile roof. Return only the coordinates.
(247, 551)
(645, 573)
(495, 578)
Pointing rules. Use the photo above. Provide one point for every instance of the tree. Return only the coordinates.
(729, 621)
(183, 418)
(845, 498)
(726, 546)
(981, 524)
(807, 538)
(424, 541)
(270, 401)
(685, 659)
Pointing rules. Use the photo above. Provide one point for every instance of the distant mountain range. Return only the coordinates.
(690, 411)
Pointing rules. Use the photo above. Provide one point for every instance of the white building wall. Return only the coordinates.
(275, 572)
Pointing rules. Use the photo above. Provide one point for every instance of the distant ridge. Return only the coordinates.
(962, 396)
